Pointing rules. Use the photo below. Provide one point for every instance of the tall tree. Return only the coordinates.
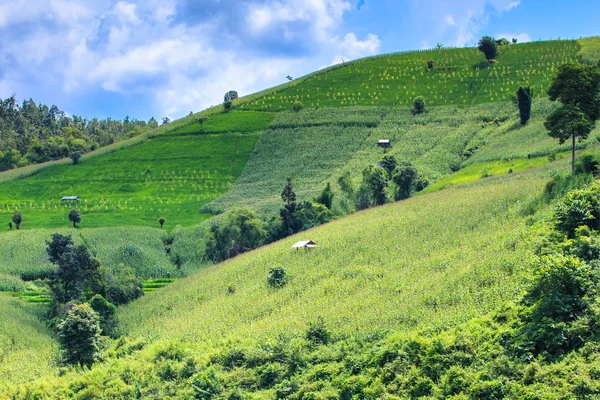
(524, 99)
(577, 87)
(74, 217)
(288, 212)
(569, 122)
(17, 218)
(487, 45)
(325, 197)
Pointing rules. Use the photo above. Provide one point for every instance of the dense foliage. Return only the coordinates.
(34, 133)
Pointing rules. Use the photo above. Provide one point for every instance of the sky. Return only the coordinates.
(156, 58)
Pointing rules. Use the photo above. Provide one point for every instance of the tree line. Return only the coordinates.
(33, 133)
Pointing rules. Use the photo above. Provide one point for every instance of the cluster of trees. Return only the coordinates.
(32, 133)
(84, 298)
(243, 229)
(402, 178)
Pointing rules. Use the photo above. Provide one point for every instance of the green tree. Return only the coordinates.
(487, 45)
(57, 246)
(227, 106)
(578, 85)
(277, 277)
(389, 163)
(79, 336)
(375, 185)
(74, 217)
(76, 156)
(567, 122)
(407, 180)
(524, 99)
(77, 273)
(201, 122)
(161, 221)
(106, 313)
(122, 286)
(325, 197)
(17, 218)
(289, 220)
(578, 208)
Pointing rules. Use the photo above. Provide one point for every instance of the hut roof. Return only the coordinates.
(384, 140)
(304, 243)
(66, 198)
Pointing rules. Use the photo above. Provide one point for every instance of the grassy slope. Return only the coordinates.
(27, 346)
(116, 189)
(401, 266)
(459, 77)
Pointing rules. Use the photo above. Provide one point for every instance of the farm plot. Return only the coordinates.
(234, 121)
(459, 77)
(165, 176)
(430, 261)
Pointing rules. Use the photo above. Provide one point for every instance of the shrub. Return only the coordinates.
(227, 106)
(79, 336)
(74, 217)
(106, 314)
(277, 277)
(122, 285)
(430, 64)
(11, 283)
(524, 99)
(317, 332)
(578, 208)
(161, 221)
(586, 164)
(17, 218)
(297, 106)
(325, 197)
(76, 156)
(418, 106)
(206, 385)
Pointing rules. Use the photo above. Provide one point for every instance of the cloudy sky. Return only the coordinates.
(158, 58)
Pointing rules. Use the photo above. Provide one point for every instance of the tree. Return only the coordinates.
(122, 286)
(230, 96)
(487, 45)
(524, 96)
(152, 123)
(325, 197)
(201, 121)
(10, 225)
(578, 85)
(76, 156)
(389, 163)
(277, 277)
(17, 218)
(75, 217)
(77, 273)
(106, 314)
(58, 246)
(166, 120)
(514, 40)
(288, 212)
(439, 46)
(569, 122)
(578, 208)
(430, 64)
(227, 106)
(289, 78)
(161, 221)
(375, 182)
(418, 106)
(79, 336)
(407, 181)
(239, 232)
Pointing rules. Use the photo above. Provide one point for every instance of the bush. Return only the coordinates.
(277, 277)
(317, 332)
(430, 64)
(297, 106)
(76, 156)
(524, 99)
(106, 313)
(578, 208)
(122, 285)
(586, 163)
(206, 385)
(418, 106)
(11, 283)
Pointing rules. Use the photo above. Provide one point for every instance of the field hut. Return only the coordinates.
(70, 199)
(304, 244)
(385, 143)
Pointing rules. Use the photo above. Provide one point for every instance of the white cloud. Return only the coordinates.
(352, 48)
(521, 37)
(449, 20)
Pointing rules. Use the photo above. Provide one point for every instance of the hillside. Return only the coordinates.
(421, 269)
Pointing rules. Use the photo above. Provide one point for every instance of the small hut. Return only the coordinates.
(70, 199)
(304, 244)
(385, 143)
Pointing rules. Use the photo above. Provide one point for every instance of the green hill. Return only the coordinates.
(414, 269)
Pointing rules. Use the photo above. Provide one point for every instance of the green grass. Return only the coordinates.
(489, 168)
(433, 260)
(460, 77)
(27, 346)
(117, 189)
(235, 121)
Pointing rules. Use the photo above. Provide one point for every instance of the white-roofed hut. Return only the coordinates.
(304, 244)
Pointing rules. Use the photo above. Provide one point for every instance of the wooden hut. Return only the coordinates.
(304, 244)
(384, 143)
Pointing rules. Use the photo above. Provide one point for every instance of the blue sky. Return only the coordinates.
(158, 58)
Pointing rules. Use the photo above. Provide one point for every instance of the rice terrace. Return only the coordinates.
(394, 225)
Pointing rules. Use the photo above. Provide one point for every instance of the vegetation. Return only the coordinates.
(488, 46)
(524, 97)
(35, 133)
(79, 336)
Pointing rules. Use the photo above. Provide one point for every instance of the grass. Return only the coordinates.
(235, 121)
(164, 176)
(459, 77)
(404, 266)
(27, 346)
